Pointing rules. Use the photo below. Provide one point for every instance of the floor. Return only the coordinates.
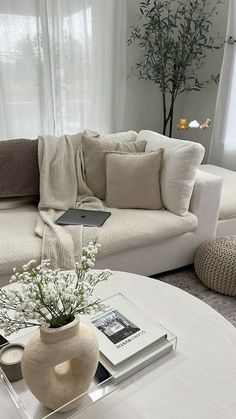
(187, 280)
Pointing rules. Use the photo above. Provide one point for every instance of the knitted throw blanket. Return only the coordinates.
(62, 186)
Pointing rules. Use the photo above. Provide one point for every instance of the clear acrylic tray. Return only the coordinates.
(18, 399)
(22, 402)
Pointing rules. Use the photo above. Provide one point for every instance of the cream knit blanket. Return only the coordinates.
(62, 186)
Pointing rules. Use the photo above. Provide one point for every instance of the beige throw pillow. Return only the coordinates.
(94, 160)
(133, 180)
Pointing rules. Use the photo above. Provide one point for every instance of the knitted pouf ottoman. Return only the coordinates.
(215, 264)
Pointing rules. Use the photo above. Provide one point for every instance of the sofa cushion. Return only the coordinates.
(18, 242)
(180, 163)
(125, 136)
(228, 192)
(94, 159)
(19, 172)
(133, 179)
(131, 228)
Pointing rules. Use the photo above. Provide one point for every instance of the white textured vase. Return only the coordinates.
(59, 364)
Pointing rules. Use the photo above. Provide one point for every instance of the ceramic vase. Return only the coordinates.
(59, 364)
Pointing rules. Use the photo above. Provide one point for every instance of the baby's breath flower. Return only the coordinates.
(49, 296)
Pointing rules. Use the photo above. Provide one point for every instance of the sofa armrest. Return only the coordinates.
(205, 203)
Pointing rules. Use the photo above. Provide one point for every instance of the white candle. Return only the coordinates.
(10, 360)
(12, 355)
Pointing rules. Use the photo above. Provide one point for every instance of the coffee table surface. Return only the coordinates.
(197, 381)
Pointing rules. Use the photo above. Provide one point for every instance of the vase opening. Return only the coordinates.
(61, 321)
(56, 334)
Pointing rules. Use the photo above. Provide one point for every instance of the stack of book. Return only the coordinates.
(128, 340)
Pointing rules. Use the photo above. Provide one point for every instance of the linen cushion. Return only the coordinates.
(19, 172)
(118, 136)
(94, 159)
(133, 179)
(180, 163)
(132, 228)
(125, 136)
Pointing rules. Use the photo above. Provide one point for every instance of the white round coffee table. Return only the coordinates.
(197, 381)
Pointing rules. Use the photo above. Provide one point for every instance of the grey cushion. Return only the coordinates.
(19, 172)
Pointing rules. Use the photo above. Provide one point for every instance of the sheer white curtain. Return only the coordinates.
(223, 144)
(62, 66)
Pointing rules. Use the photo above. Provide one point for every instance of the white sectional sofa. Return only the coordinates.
(180, 250)
(157, 245)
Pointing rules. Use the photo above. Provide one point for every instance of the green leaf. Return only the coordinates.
(175, 38)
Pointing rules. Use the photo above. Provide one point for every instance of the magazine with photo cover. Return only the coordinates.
(138, 362)
(123, 331)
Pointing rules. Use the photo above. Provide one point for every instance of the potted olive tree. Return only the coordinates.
(175, 36)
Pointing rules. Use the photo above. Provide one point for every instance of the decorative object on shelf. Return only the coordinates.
(194, 124)
(205, 124)
(10, 361)
(60, 360)
(174, 38)
(182, 124)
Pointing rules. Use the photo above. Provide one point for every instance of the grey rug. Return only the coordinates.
(187, 280)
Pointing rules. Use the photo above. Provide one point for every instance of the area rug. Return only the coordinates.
(187, 280)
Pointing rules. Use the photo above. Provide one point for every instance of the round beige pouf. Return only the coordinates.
(215, 264)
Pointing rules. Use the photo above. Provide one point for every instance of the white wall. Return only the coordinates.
(201, 105)
(143, 100)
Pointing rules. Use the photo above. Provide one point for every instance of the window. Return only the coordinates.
(57, 66)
